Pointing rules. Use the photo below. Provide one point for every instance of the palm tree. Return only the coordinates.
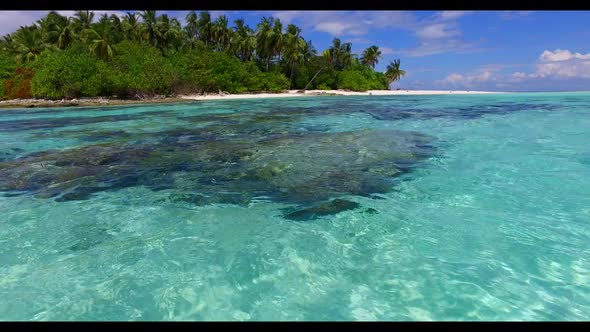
(8, 45)
(82, 20)
(393, 73)
(263, 40)
(29, 43)
(192, 25)
(309, 51)
(242, 41)
(148, 27)
(168, 33)
(220, 33)
(66, 37)
(269, 40)
(56, 30)
(101, 38)
(275, 39)
(205, 27)
(371, 56)
(346, 55)
(131, 27)
(116, 28)
(294, 48)
(339, 54)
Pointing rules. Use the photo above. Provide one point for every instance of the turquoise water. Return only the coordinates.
(473, 207)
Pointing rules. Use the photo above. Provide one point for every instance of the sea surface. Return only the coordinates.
(448, 207)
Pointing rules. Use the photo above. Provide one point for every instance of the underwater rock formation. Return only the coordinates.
(294, 168)
(330, 208)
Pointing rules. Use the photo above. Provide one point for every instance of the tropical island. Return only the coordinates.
(145, 55)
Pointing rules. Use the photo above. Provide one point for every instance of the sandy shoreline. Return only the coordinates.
(295, 93)
(33, 103)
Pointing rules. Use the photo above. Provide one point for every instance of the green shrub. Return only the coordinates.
(71, 73)
(208, 71)
(18, 85)
(361, 80)
(7, 68)
(352, 80)
(140, 69)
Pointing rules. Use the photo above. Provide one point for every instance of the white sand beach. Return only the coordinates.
(296, 93)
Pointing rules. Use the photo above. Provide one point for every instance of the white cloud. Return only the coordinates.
(442, 25)
(347, 23)
(287, 16)
(437, 31)
(515, 14)
(11, 20)
(440, 33)
(554, 68)
(563, 63)
(562, 55)
(455, 78)
(518, 76)
(338, 28)
(453, 14)
(360, 40)
(387, 50)
(467, 80)
(431, 47)
(564, 69)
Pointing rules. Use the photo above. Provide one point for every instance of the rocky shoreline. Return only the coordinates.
(101, 101)
(35, 103)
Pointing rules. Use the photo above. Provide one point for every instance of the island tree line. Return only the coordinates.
(144, 54)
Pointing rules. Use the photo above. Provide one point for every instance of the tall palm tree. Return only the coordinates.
(148, 27)
(66, 38)
(346, 55)
(332, 53)
(192, 25)
(8, 45)
(339, 54)
(29, 43)
(269, 40)
(131, 27)
(101, 38)
(371, 56)
(309, 51)
(116, 28)
(168, 33)
(393, 72)
(243, 42)
(220, 33)
(57, 30)
(263, 40)
(204, 23)
(275, 39)
(82, 20)
(294, 47)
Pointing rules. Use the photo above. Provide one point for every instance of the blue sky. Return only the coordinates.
(473, 50)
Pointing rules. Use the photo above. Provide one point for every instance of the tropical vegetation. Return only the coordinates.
(144, 53)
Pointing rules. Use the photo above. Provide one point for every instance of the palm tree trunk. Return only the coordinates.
(314, 76)
(291, 76)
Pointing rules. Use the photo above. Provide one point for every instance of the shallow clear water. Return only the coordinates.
(492, 224)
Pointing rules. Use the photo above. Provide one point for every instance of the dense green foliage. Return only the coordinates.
(71, 73)
(143, 54)
(7, 68)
